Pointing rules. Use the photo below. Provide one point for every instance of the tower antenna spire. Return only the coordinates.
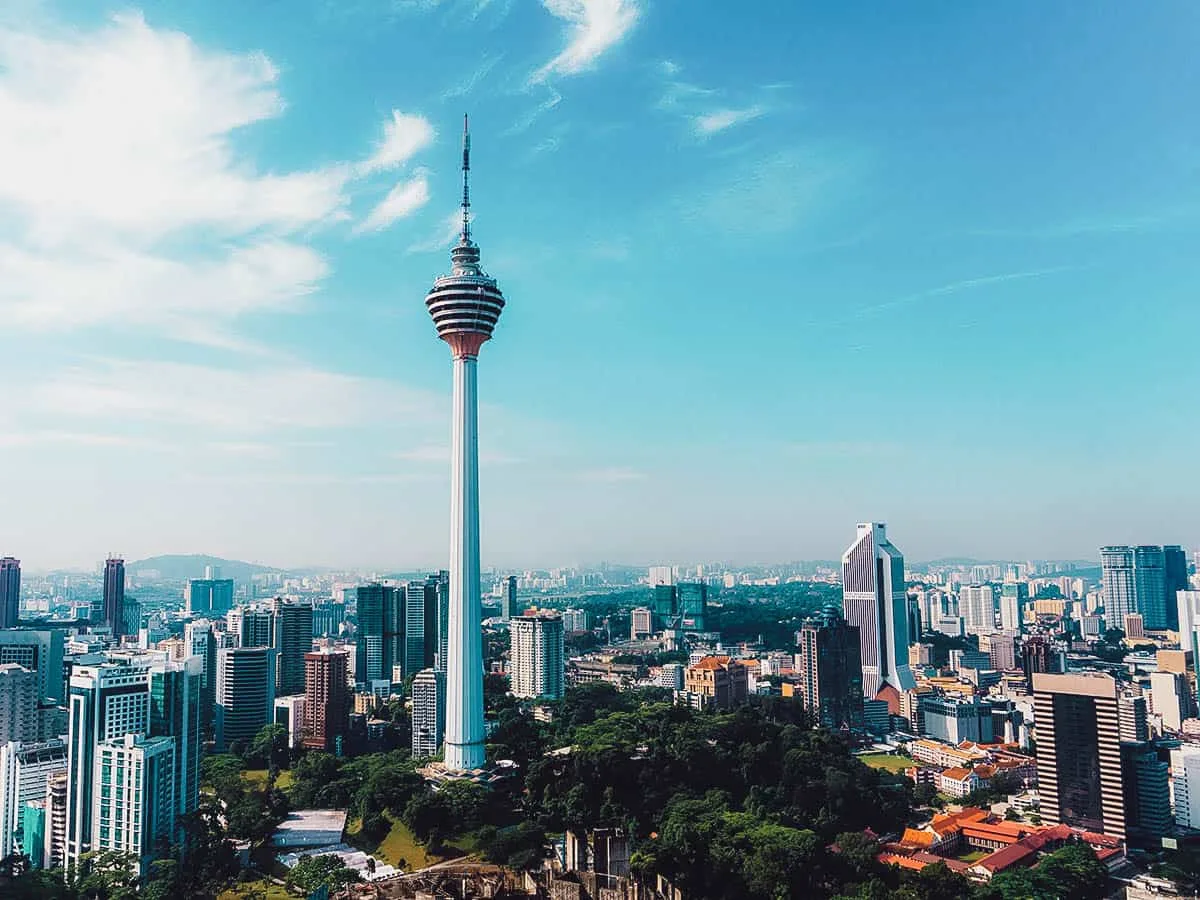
(466, 170)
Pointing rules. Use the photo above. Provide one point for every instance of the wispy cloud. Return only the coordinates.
(443, 236)
(955, 287)
(593, 28)
(402, 200)
(404, 135)
(525, 122)
(440, 454)
(467, 86)
(721, 119)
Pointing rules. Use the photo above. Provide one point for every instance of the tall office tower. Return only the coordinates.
(1150, 586)
(176, 702)
(537, 656)
(575, 620)
(40, 651)
(693, 605)
(874, 601)
(1185, 771)
(18, 704)
(10, 592)
(1175, 579)
(209, 596)
(830, 664)
(131, 617)
(293, 639)
(201, 643)
(508, 602)
(1001, 650)
(1079, 752)
(1146, 783)
(24, 770)
(379, 642)
(328, 618)
(1170, 698)
(113, 610)
(978, 605)
(245, 693)
(253, 625)
(107, 702)
(1116, 566)
(326, 699)
(135, 801)
(443, 601)
(1135, 581)
(429, 712)
(1039, 654)
(1133, 723)
(54, 852)
(1013, 597)
(465, 306)
(420, 626)
(665, 605)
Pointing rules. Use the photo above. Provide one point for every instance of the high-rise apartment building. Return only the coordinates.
(692, 598)
(1079, 752)
(10, 592)
(1133, 719)
(1001, 649)
(977, 602)
(537, 655)
(1136, 581)
(1185, 772)
(176, 712)
(1013, 597)
(1170, 698)
(830, 668)
(420, 626)
(326, 699)
(25, 769)
(113, 609)
(18, 704)
(576, 620)
(874, 601)
(429, 712)
(106, 703)
(245, 693)
(209, 596)
(134, 809)
(641, 623)
(659, 575)
(292, 639)
(39, 651)
(379, 642)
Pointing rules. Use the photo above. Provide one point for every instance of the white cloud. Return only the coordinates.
(227, 401)
(720, 119)
(402, 200)
(403, 137)
(124, 197)
(595, 26)
(444, 236)
(440, 454)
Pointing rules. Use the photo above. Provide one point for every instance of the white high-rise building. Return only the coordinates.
(874, 600)
(1168, 696)
(133, 808)
(657, 575)
(24, 771)
(641, 623)
(575, 620)
(977, 603)
(465, 306)
(1185, 780)
(107, 702)
(18, 704)
(428, 712)
(537, 656)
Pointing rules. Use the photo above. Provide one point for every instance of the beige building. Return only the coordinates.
(718, 681)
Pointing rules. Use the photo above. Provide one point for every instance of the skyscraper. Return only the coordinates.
(245, 693)
(209, 596)
(18, 704)
(24, 771)
(420, 626)
(253, 625)
(465, 306)
(200, 642)
(830, 669)
(1079, 752)
(40, 650)
(537, 656)
(326, 699)
(135, 801)
(293, 638)
(107, 702)
(508, 602)
(693, 605)
(1136, 581)
(874, 601)
(1013, 597)
(10, 592)
(1175, 577)
(113, 610)
(978, 605)
(176, 706)
(429, 712)
(379, 642)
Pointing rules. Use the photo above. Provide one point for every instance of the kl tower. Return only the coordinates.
(465, 306)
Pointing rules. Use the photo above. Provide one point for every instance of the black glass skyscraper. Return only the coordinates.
(113, 609)
(10, 592)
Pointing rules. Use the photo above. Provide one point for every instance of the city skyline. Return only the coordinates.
(215, 327)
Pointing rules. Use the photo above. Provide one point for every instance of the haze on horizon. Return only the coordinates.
(767, 277)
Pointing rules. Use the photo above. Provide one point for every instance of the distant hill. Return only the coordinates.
(182, 567)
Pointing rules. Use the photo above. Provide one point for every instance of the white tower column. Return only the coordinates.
(464, 741)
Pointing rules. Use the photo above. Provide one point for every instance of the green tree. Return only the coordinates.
(107, 875)
(40, 884)
(313, 872)
(269, 749)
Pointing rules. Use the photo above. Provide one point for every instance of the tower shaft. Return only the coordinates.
(464, 740)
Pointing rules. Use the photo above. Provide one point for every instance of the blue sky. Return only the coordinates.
(767, 276)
